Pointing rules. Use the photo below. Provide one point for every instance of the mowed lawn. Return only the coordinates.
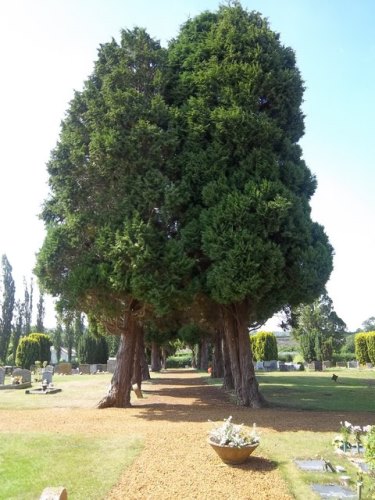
(354, 389)
(52, 452)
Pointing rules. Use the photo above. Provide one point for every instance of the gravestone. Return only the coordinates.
(84, 369)
(47, 375)
(282, 366)
(341, 364)
(259, 365)
(326, 364)
(111, 365)
(20, 372)
(369, 365)
(2, 375)
(64, 368)
(315, 366)
(270, 365)
(353, 364)
(334, 491)
(311, 465)
(93, 369)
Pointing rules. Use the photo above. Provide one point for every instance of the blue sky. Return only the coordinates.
(47, 49)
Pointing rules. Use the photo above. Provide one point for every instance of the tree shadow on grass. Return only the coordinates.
(190, 399)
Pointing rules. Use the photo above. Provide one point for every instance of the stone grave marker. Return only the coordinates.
(85, 369)
(341, 364)
(353, 364)
(270, 365)
(334, 491)
(111, 365)
(326, 364)
(47, 375)
(64, 368)
(93, 369)
(311, 465)
(2, 375)
(20, 372)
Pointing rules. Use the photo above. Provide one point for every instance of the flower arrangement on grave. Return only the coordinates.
(235, 436)
(17, 380)
(350, 433)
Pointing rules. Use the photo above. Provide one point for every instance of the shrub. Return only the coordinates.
(285, 356)
(370, 341)
(370, 448)
(343, 356)
(35, 346)
(265, 346)
(92, 349)
(253, 344)
(360, 344)
(179, 361)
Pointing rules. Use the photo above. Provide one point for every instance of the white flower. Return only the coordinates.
(229, 434)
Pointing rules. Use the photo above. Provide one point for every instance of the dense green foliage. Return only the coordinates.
(244, 187)
(370, 448)
(7, 303)
(264, 346)
(370, 342)
(92, 349)
(34, 347)
(127, 212)
(319, 330)
(361, 350)
(179, 361)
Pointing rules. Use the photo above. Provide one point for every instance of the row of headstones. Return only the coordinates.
(284, 366)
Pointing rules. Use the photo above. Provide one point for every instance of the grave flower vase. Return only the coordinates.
(232, 455)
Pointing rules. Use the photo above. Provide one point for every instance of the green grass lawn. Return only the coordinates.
(87, 466)
(353, 391)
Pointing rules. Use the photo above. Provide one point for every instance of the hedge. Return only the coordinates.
(361, 350)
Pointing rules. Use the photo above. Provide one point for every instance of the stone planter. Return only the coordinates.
(231, 455)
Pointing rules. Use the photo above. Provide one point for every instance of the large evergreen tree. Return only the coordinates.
(178, 174)
(244, 214)
(110, 250)
(7, 302)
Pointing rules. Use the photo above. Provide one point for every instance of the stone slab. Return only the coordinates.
(2, 375)
(311, 465)
(334, 491)
(58, 493)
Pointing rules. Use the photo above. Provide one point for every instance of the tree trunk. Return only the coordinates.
(119, 392)
(203, 358)
(137, 367)
(228, 384)
(144, 365)
(155, 357)
(163, 358)
(217, 357)
(236, 320)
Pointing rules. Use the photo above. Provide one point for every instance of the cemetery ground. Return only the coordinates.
(158, 450)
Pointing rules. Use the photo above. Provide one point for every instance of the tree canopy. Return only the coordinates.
(178, 174)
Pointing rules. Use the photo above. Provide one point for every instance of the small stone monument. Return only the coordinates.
(20, 372)
(2, 375)
(47, 375)
(58, 493)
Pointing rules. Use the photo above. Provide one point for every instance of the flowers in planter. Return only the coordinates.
(350, 433)
(235, 436)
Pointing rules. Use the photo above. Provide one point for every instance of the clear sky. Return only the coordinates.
(47, 49)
